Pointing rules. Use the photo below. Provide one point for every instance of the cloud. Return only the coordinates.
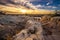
(33, 0)
(59, 5)
(48, 3)
(45, 7)
(25, 3)
(39, 5)
(51, 7)
(28, 4)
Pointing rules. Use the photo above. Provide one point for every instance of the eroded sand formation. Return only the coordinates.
(29, 28)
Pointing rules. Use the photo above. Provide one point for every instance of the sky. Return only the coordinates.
(39, 4)
(47, 4)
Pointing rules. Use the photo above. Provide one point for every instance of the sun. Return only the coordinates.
(23, 11)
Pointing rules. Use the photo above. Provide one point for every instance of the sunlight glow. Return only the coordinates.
(23, 11)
